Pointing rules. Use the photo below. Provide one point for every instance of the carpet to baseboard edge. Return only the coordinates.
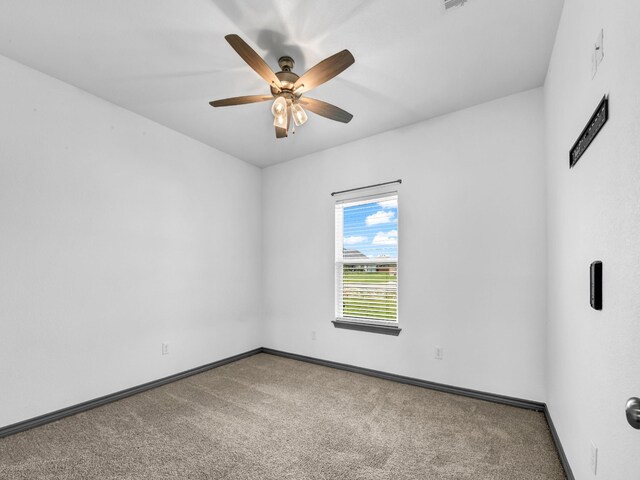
(556, 440)
(112, 397)
(97, 402)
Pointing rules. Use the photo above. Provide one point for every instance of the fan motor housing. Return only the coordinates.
(288, 79)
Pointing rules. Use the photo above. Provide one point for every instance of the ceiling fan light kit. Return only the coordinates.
(287, 87)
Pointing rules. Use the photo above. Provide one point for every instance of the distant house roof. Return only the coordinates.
(346, 253)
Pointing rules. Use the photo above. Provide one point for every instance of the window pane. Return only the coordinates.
(371, 229)
(366, 258)
(370, 291)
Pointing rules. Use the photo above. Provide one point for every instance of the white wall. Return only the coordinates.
(472, 249)
(116, 234)
(594, 214)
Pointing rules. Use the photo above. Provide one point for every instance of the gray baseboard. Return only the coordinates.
(489, 397)
(97, 402)
(556, 440)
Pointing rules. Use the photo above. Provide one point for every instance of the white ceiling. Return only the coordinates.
(166, 59)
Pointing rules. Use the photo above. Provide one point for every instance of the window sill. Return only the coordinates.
(367, 327)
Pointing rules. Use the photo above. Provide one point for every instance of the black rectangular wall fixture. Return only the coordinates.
(593, 127)
(596, 285)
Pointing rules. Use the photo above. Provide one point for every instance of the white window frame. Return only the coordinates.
(340, 261)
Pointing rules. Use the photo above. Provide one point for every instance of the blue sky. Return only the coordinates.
(372, 228)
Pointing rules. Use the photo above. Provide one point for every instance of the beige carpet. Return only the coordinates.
(267, 417)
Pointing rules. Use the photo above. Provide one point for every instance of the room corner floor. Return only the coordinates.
(268, 417)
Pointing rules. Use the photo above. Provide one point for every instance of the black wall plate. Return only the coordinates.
(595, 124)
(596, 285)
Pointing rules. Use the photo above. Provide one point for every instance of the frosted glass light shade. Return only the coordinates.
(280, 120)
(279, 107)
(299, 115)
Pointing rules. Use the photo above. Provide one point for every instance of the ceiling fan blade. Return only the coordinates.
(326, 110)
(227, 102)
(324, 71)
(281, 132)
(254, 60)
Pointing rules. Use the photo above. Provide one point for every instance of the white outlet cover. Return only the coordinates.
(439, 353)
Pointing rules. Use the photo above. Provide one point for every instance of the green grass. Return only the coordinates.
(369, 294)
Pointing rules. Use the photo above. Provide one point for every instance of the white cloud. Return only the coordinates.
(389, 203)
(388, 238)
(353, 240)
(380, 217)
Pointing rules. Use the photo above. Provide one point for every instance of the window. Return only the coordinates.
(366, 261)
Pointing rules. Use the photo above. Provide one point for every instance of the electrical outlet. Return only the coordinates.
(165, 349)
(594, 458)
(313, 335)
(439, 353)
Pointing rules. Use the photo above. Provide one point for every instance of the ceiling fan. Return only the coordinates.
(287, 87)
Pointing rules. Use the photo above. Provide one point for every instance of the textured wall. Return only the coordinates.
(472, 249)
(117, 234)
(594, 214)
